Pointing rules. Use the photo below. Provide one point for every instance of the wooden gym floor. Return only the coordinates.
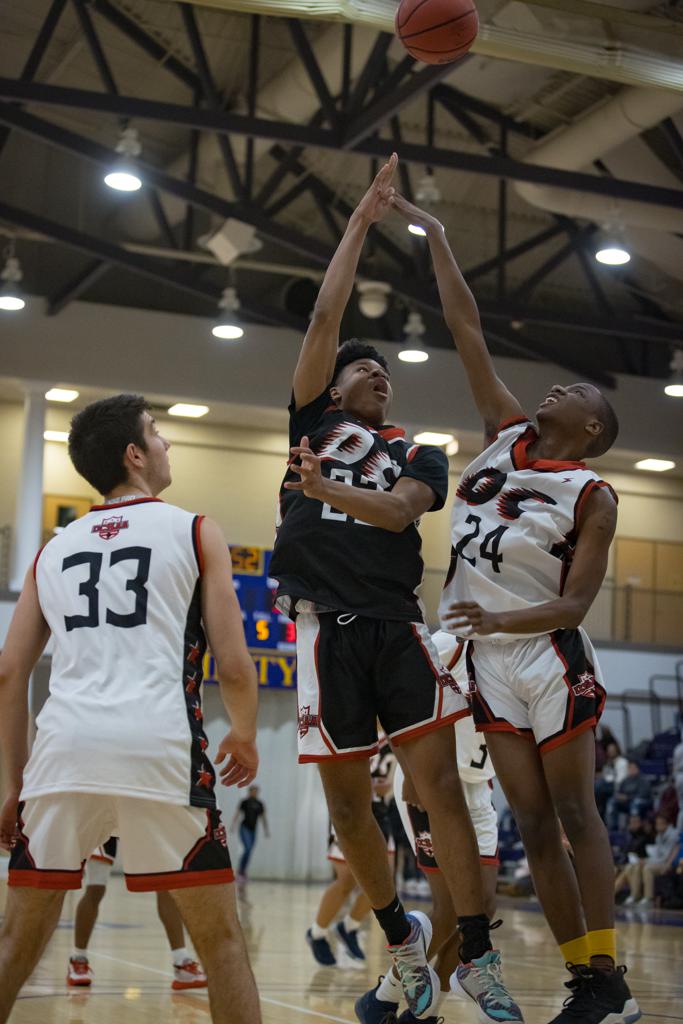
(132, 982)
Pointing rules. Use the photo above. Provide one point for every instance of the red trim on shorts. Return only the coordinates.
(503, 726)
(459, 648)
(197, 533)
(421, 730)
(104, 860)
(321, 728)
(493, 861)
(337, 860)
(433, 667)
(429, 870)
(178, 880)
(40, 879)
(551, 744)
(569, 714)
(350, 755)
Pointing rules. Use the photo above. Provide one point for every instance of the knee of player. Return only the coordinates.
(578, 817)
(94, 894)
(443, 792)
(536, 825)
(347, 816)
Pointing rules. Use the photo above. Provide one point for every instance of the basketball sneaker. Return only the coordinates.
(321, 950)
(371, 1010)
(482, 981)
(408, 1018)
(598, 997)
(350, 940)
(79, 973)
(419, 982)
(189, 974)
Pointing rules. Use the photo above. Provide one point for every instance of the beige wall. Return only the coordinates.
(233, 475)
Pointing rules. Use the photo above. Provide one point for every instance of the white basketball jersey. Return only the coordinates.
(514, 526)
(474, 761)
(120, 591)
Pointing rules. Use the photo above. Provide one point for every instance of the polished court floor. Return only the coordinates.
(133, 973)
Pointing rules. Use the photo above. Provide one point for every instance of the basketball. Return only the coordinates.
(437, 31)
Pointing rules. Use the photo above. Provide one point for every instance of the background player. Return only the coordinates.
(476, 773)
(382, 767)
(187, 973)
(531, 531)
(126, 592)
(347, 559)
(250, 809)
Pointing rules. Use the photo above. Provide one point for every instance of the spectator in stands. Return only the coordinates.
(603, 737)
(633, 795)
(640, 835)
(667, 804)
(669, 887)
(641, 875)
(612, 773)
(677, 770)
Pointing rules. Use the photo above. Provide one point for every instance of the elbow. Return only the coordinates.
(572, 615)
(236, 672)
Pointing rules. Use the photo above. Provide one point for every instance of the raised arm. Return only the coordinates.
(236, 671)
(27, 636)
(494, 401)
(319, 351)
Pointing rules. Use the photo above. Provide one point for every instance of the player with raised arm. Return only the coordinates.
(130, 593)
(531, 531)
(348, 563)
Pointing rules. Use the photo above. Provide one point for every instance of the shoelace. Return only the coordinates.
(412, 975)
(498, 994)
(582, 989)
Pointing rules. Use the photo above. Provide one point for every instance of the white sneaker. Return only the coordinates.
(629, 901)
(419, 981)
(79, 973)
(189, 974)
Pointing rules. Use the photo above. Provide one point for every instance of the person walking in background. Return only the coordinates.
(251, 810)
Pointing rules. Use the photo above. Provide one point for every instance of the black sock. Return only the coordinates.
(393, 922)
(475, 937)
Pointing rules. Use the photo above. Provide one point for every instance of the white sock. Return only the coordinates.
(180, 956)
(389, 989)
(79, 954)
(351, 924)
(317, 932)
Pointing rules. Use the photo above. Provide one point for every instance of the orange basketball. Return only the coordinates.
(437, 31)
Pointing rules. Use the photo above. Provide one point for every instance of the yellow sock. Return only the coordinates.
(577, 951)
(603, 943)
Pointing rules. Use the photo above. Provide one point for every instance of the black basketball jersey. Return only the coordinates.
(335, 561)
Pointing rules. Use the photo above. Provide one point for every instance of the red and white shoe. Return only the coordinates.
(189, 974)
(79, 973)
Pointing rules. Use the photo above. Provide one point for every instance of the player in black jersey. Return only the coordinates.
(347, 559)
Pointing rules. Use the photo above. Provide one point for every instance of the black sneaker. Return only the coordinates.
(598, 997)
(321, 950)
(350, 940)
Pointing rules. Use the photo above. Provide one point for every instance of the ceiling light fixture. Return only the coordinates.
(674, 389)
(433, 437)
(186, 409)
(413, 351)
(56, 435)
(61, 395)
(123, 177)
(228, 327)
(373, 298)
(11, 298)
(611, 250)
(656, 465)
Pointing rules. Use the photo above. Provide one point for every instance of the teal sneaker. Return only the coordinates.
(482, 982)
(419, 982)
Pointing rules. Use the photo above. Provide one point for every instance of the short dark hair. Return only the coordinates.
(610, 429)
(355, 349)
(99, 436)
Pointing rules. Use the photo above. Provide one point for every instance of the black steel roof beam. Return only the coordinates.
(76, 287)
(252, 89)
(390, 80)
(528, 245)
(225, 122)
(287, 198)
(487, 110)
(403, 169)
(211, 95)
(567, 361)
(594, 284)
(452, 106)
(636, 327)
(674, 138)
(527, 287)
(136, 34)
(37, 53)
(381, 110)
(325, 210)
(161, 218)
(315, 75)
(95, 47)
(370, 73)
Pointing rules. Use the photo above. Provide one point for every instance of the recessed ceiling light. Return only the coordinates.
(185, 409)
(413, 355)
(432, 437)
(613, 256)
(61, 395)
(56, 435)
(656, 465)
(123, 181)
(674, 390)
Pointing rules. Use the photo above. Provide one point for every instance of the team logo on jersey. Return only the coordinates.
(220, 835)
(447, 679)
(423, 841)
(204, 778)
(509, 501)
(585, 686)
(348, 442)
(193, 653)
(110, 527)
(481, 487)
(305, 720)
(191, 683)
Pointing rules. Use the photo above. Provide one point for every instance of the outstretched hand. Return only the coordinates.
(413, 214)
(308, 469)
(376, 201)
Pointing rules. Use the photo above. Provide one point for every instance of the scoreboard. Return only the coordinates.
(271, 636)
